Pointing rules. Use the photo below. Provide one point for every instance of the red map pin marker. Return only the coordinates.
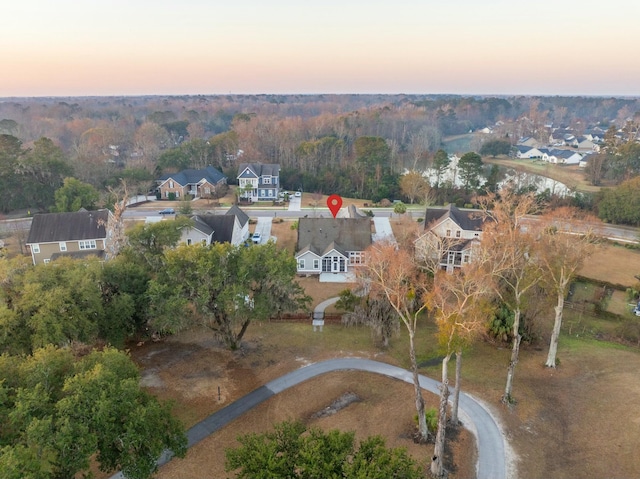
(334, 202)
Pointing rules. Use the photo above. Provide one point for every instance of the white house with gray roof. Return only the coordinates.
(232, 227)
(332, 247)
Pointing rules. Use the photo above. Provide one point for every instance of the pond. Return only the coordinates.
(520, 179)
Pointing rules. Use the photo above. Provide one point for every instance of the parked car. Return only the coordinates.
(298, 194)
(256, 238)
(167, 211)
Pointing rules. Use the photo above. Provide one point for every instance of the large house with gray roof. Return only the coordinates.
(77, 235)
(450, 236)
(332, 247)
(259, 182)
(204, 183)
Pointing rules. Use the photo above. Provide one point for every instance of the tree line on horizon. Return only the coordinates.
(352, 145)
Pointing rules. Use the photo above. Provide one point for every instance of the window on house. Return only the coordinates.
(458, 232)
(448, 232)
(266, 180)
(300, 264)
(170, 184)
(465, 258)
(188, 241)
(46, 261)
(35, 248)
(87, 244)
(63, 246)
(356, 257)
(316, 264)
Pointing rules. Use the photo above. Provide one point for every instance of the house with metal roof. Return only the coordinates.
(332, 247)
(204, 183)
(259, 182)
(77, 235)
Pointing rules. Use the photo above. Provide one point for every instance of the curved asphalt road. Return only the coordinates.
(490, 441)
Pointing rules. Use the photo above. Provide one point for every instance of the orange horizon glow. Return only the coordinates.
(549, 48)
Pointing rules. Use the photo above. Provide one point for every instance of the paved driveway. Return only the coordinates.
(476, 418)
(263, 226)
(383, 230)
(295, 203)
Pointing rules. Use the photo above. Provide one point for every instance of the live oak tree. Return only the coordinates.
(74, 194)
(60, 413)
(392, 273)
(42, 170)
(147, 243)
(292, 451)
(69, 301)
(226, 288)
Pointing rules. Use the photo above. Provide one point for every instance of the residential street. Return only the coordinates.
(492, 450)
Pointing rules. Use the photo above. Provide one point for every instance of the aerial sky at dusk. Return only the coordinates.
(134, 47)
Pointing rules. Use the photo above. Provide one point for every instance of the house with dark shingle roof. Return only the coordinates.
(450, 236)
(197, 183)
(232, 227)
(527, 152)
(80, 234)
(332, 247)
(259, 182)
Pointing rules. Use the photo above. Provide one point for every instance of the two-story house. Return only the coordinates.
(331, 248)
(450, 236)
(232, 227)
(203, 183)
(259, 182)
(80, 234)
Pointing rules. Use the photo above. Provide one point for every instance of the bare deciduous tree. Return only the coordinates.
(393, 273)
(457, 301)
(507, 251)
(564, 246)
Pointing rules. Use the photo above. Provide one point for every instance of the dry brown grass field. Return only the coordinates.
(571, 175)
(613, 263)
